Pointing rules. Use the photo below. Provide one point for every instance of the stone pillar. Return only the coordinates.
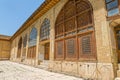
(27, 44)
(52, 34)
(103, 43)
(101, 31)
(37, 43)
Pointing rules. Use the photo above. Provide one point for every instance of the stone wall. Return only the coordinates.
(86, 70)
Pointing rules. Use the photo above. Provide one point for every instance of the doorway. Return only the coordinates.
(47, 51)
(117, 34)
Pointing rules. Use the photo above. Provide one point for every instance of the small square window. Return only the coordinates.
(113, 12)
(112, 7)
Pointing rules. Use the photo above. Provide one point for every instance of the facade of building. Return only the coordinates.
(75, 37)
(4, 47)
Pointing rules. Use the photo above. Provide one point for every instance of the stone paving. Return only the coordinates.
(14, 71)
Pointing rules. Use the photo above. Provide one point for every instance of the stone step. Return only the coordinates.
(118, 73)
(117, 78)
(119, 66)
(43, 67)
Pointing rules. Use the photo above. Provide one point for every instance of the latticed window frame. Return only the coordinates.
(76, 32)
(33, 37)
(32, 47)
(45, 29)
(113, 8)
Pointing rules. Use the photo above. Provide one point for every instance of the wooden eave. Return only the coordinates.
(47, 5)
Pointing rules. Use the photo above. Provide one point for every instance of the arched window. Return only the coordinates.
(33, 37)
(25, 41)
(32, 43)
(45, 29)
(19, 48)
(74, 31)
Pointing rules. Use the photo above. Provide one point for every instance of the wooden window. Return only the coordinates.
(71, 48)
(32, 44)
(75, 19)
(59, 49)
(83, 20)
(33, 37)
(31, 52)
(70, 25)
(45, 30)
(87, 46)
(69, 9)
(112, 7)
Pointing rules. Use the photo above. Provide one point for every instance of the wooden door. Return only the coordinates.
(47, 50)
(118, 43)
(19, 53)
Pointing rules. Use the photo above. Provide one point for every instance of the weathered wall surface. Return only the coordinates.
(4, 49)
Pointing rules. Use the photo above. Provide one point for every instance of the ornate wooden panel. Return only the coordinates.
(70, 25)
(47, 50)
(73, 22)
(31, 52)
(60, 17)
(59, 45)
(84, 19)
(69, 9)
(59, 29)
(87, 46)
(71, 48)
(81, 6)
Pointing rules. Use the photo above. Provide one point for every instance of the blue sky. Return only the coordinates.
(13, 13)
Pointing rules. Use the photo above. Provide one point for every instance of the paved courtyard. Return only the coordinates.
(14, 71)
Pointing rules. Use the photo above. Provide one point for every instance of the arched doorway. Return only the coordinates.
(74, 32)
(19, 48)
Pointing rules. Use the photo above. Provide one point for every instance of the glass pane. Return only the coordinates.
(33, 37)
(45, 29)
(113, 12)
(112, 4)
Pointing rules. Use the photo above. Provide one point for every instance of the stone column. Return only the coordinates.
(37, 43)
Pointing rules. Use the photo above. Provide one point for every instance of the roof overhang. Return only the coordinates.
(47, 5)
